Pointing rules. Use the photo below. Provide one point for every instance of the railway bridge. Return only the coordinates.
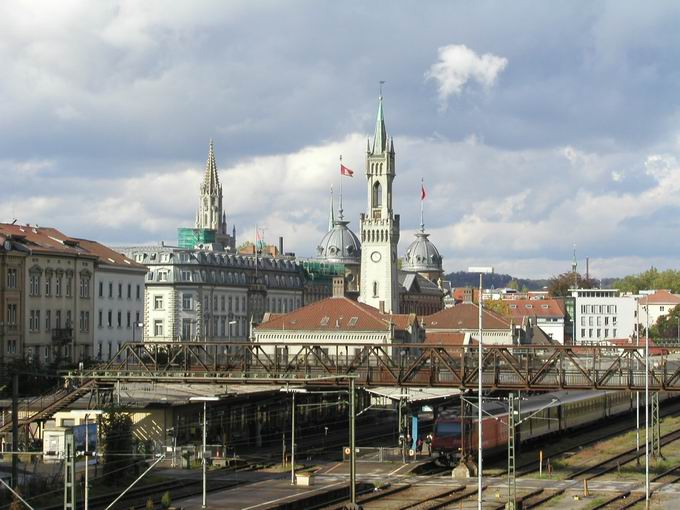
(504, 367)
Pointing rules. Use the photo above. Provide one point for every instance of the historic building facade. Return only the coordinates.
(204, 295)
(12, 274)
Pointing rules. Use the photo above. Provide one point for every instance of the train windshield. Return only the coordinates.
(447, 429)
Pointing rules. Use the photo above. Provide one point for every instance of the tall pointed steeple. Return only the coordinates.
(380, 139)
(210, 205)
(211, 181)
(331, 213)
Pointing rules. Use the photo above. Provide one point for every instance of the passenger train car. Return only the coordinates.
(551, 413)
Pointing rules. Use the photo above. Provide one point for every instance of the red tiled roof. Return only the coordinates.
(441, 337)
(549, 308)
(336, 314)
(465, 316)
(660, 297)
(51, 240)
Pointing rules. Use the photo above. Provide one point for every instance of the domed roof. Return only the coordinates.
(340, 244)
(422, 255)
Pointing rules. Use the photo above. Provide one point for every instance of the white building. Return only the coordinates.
(197, 294)
(118, 300)
(603, 314)
(655, 304)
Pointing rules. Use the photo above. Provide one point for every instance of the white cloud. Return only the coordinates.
(459, 65)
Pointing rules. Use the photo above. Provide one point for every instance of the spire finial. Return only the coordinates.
(380, 88)
(331, 212)
(380, 140)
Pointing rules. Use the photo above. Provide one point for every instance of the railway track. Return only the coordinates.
(532, 466)
(629, 499)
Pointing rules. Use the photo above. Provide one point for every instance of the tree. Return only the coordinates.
(149, 504)
(117, 439)
(650, 279)
(667, 325)
(558, 286)
(166, 500)
(499, 306)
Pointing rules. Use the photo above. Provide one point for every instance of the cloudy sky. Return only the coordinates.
(535, 125)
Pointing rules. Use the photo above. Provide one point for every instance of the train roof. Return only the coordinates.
(532, 403)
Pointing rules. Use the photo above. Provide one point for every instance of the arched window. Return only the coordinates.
(377, 195)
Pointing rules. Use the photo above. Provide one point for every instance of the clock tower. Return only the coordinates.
(380, 226)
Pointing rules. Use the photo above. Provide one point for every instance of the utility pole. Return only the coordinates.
(512, 480)
(15, 430)
(292, 441)
(352, 445)
(69, 471)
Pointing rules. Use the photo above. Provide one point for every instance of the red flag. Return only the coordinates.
(422, 191)
(346, 171)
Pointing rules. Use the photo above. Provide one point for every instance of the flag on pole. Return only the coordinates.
(346, 171)
(422, 191)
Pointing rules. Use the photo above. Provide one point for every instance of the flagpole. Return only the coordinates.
(422, 223)
(340, 210)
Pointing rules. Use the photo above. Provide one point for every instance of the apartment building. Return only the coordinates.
(603, 315)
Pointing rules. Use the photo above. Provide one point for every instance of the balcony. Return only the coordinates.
(62, 336)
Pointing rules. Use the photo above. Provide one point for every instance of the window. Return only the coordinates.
(590, 321)
(230, 303)
(237, 302)
(57, 288)
(583, 321)
(120, 291)
(129, 291)
(136, 317)
(69, 286)
(128, 319)
(68, 324)
(84, 286)
(84, 326)
(606, 321)
(375, 289)
(109, 319)
(599, 332)
(222, 303)
(101, 289)
(34, 285)
(138, 291)
(48, 285)
(100, 319)
(57, 319)
(661, 308)
(11, 278)
(187, 301)
(606, 333)
(158, 302)
(119, 318)
(31, 321)
(377, 195)
(48, 320)
(162, 276)
(158, 328)
(583, 335)
(11, 314)
(110, 289)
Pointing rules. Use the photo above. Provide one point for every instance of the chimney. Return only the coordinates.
(381, 306)
(281, 246)
(338, 286)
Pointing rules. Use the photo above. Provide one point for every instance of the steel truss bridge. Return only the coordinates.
(504, 367)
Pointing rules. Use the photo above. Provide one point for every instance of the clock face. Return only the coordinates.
(375, 256)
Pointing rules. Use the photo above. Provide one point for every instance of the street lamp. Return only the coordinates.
(292, 391)
(482, 271)
(205, 401)
(136, 325)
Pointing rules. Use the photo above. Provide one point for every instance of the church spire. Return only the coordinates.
(331, 212)
(380, 139)
(211, 181)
